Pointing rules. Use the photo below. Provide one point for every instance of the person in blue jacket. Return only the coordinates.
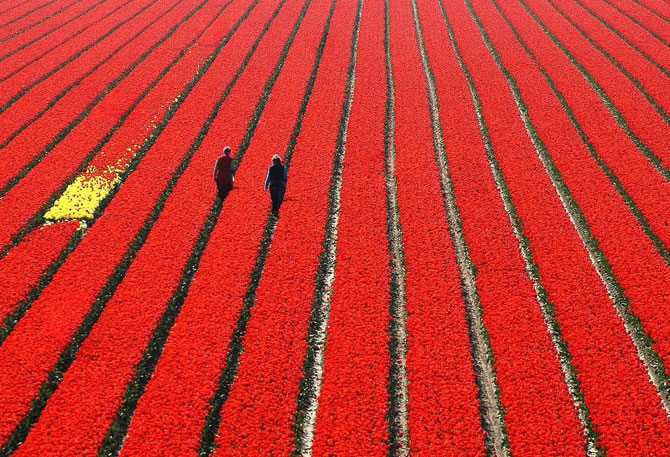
(276, 180)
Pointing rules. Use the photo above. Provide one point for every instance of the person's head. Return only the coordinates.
(226, 150)
(276, 160)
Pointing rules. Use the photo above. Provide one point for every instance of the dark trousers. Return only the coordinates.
(277, 194)
(223, 188)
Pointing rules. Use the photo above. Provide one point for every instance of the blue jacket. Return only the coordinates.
(275, 171)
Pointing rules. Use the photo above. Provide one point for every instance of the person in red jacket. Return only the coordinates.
(223, 173)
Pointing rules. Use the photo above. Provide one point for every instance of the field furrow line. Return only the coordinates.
(22, 8)
(9, 5)
(270, 370)
(428, 409)
(633, 324)
(110, 240)
(28, 23)
(613, 434)
(647, 78)
(633, 177)
(61, 424)
(629, 33)
(202, 314)
(20, 278)
(313, 366)
(614, 152)
(25, 12)
(493, 416)
(19, 117)
(656, 7)
(643, 293)
(655, 24)
(55, 22)
(439, 397)
(148, 142)
(593, 446)
(67, 15)
(27, 294)
(107, 41)
(519, 341)
(21, 205)
(36, 135)
(105, 148)
(398, 379)
(59, 31)
(23, 200)
(357, 413)
(20, 63)
(125, 144)
(621, 105)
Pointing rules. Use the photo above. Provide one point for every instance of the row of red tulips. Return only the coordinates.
(34, 191)
(28, 16)
(15, 8)
(12, 41)
(513, 318)
(632, 255)
(60, 26)
(561, 213)
(187, 375)
(356, 360)
(576, 290)
(7, 8)
(86, 30)
(637, 176)
(75, 418)
(259, 415)
(33, 126)
(444, 410)
(639, 36)
(23, 267)
(26, 70)
(651, 14)
(637, 113)
(64, 305)
(651, 80)
(131, 112)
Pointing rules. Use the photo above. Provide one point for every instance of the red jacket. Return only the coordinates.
(223, 170)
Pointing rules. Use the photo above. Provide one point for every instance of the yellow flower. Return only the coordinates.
(83, 196)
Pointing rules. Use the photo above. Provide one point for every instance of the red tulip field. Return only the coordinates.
(472, 257)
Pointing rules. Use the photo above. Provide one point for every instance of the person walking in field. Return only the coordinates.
(276, 180)
(223, 173)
